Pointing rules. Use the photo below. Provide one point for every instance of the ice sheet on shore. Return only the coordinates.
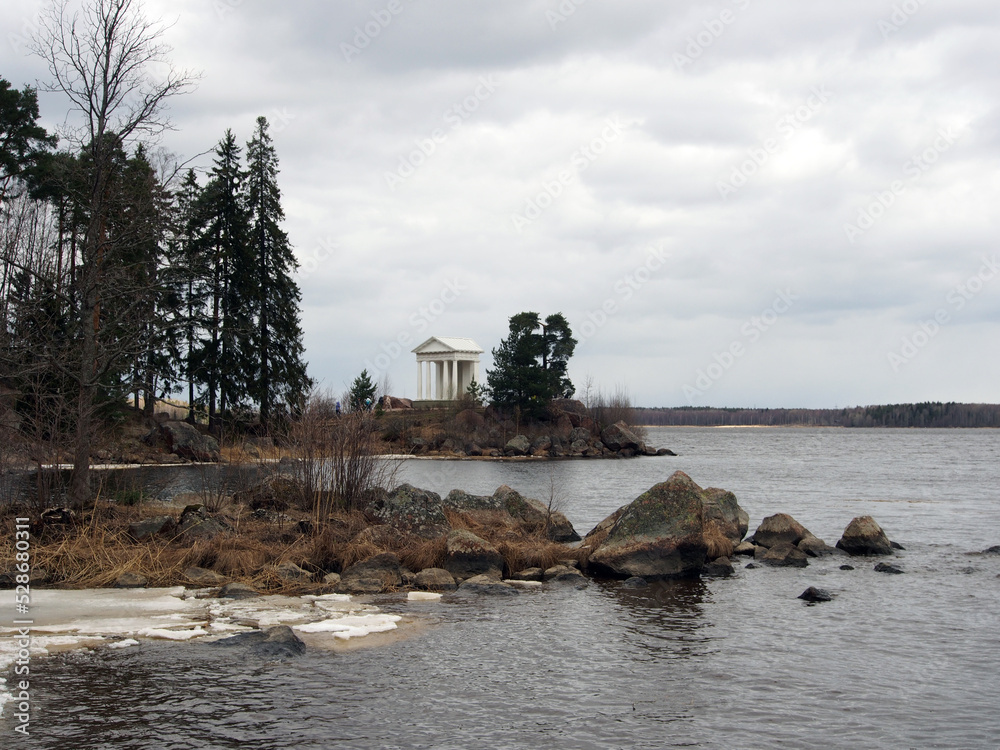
(118, 618)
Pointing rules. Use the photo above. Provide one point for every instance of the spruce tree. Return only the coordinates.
(225, 354)
(279, 372)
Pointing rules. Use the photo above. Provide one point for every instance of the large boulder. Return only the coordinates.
(535, 513)
(468, 556)
(865, 537)
(724, 511)
(463, 501)
(619, 437)
(409, 509)
(780, 528)
(659, 534)
(519, 445)
(186, 441)
(372, 576)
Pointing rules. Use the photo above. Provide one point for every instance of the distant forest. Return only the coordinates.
(892, 415)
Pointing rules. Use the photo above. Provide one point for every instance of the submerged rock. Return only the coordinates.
(278, 642)
(815, 547)
(888, 568)
(485, 584)
(635, 582)
(564, 574)
(719, 567)
(865, 537)
(813, 594)
(659, 534)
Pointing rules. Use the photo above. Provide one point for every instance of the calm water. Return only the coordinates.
(893, 661)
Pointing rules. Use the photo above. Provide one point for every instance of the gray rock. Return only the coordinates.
(785, 555)
(435, 579)
(517, 446)
(564, 574)
(635, 582)
(130, 581)
(195, 523)
(463, 501)
(865, 537)
(468, 556)
(485, 584)
(745, 548)
(150, 527)
(780, 528)
(186, 441)
(278, 642)
(989, 551)
(237, 591)
(412, 510)
(815, 547)
(277, 492)
(375, 575)
(847, 567)
(718, 568)
(331, 579)
(204, 577)
(665, 452)
(535, 513)
(619, 437)
(659, 534)
(291, 572)
(813, 594)
(722, 509)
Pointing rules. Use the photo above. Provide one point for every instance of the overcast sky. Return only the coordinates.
(737, 203)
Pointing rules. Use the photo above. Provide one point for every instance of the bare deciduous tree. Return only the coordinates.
(102, 58)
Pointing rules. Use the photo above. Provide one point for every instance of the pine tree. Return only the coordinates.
(279, 373)
(530, 367)
(362, 392)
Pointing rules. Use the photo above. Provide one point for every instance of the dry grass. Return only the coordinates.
(719, 545)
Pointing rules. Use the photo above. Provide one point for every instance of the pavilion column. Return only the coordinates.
(446, 366)
(455, 383)
(438, 372)
(420, 380)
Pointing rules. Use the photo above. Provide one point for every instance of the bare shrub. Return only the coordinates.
(607, 410)
(337, 458)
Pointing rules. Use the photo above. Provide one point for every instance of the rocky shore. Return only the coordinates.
(412, 539)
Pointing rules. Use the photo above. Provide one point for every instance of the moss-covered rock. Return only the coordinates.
(659, 534)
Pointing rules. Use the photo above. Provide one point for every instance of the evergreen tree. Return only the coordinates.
(530, 366)
(22, 140)
(279, 372)
(362, 392)
(225, 355)
(190, 275)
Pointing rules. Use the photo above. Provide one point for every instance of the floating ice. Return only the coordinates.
(351, 626)
(422, 596)
(124, 644)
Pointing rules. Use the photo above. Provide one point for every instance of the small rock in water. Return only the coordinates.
(485, 584)
(847, 567)
(813, 594)
(273, 643)
(896, 545)
(989, 551)
(887, 568)
(237, 591)
(968, 571)
(719, 567)
(751, 566)
(635, 582)
(529, 574)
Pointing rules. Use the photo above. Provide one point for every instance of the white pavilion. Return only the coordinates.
(445, 368)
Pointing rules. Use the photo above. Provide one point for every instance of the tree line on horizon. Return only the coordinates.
(926, 414)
